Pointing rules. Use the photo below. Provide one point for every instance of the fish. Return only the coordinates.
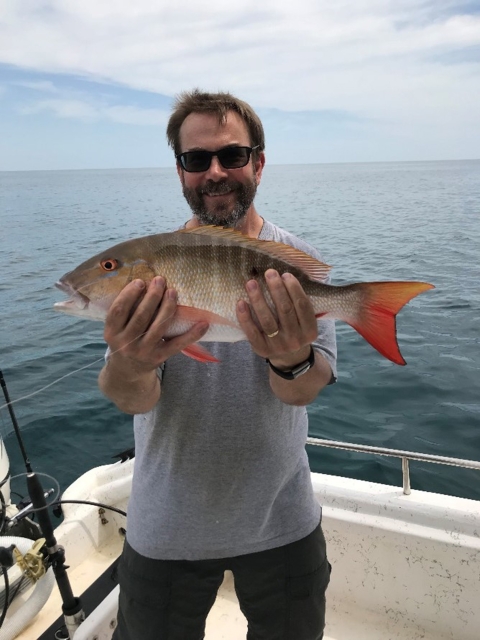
(209, 266)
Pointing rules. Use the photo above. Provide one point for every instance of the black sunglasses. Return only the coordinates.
(229, 158)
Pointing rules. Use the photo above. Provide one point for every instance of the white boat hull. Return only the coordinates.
(404, 567)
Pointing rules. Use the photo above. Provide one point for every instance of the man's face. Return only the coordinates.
(218, 196)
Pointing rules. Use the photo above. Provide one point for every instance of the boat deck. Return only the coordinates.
(226, 622)
(81, 577)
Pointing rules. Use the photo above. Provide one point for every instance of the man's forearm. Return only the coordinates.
(304, 389)
(131, 391)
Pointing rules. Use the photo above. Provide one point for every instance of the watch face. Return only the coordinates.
(301, 369)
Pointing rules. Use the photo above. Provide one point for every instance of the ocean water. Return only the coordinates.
(386, 221)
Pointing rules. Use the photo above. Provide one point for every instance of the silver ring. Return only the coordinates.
(272, 335)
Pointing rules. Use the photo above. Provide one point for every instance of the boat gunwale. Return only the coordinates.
(405, 457)
(395, 453)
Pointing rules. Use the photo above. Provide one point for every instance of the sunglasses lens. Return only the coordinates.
(234, 157)
(196, 160)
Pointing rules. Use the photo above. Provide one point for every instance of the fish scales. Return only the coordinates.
(213, 276)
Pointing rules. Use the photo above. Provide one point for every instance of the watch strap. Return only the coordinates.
(296, 371)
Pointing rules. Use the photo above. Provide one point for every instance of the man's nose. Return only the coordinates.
(216, 171)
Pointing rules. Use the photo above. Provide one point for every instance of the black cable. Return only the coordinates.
(93, 504)
(7, 596)
(20, 584)
(8, 600)
(3, 519)
(100, 505)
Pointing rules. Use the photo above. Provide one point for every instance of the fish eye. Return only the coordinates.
(110, 264)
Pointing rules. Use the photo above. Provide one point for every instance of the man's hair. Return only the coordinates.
(219, 104)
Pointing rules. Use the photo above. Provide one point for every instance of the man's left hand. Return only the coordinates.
(282, 335)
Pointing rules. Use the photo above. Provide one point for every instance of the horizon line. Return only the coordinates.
(271, 164)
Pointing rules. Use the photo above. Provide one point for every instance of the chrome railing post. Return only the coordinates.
(406, 476)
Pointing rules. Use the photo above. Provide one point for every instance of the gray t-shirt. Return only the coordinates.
(220, 463)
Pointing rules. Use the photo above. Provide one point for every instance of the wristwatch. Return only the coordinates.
(298, 370)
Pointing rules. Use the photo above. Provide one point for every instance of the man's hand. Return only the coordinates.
(284, 336)
(135, 328)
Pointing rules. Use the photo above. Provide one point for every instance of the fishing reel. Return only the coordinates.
(32, 563)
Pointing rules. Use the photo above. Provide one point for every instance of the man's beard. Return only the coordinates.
(221, 213)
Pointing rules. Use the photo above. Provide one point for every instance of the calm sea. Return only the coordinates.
(371, 221)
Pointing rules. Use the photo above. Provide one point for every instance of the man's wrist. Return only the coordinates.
(130, 369)
(297, 370)
(291, 360)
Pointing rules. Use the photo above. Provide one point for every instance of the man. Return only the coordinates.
(221, 474)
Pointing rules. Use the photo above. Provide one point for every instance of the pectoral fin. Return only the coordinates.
(199, 353)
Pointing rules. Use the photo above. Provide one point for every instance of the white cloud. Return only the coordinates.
(135, 115)
(44, 86)
(88, 111)
(379, 58)
(64, 108)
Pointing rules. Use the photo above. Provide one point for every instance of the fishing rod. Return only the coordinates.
(71, 606)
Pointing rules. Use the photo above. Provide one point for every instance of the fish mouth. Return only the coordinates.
(77, 299)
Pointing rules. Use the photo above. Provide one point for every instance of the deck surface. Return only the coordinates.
(226, 621)
(80, 578)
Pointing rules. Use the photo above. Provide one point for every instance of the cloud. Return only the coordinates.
(87, 111)
(408, 69)
(64, 109)
(87, 102)
(313, 54)
(136, 115)
(44, 86)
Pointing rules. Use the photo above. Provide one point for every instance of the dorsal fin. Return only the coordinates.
(311, 267)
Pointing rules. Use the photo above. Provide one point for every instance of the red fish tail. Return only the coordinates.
(379, 303)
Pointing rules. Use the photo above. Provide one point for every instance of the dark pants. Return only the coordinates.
(281, 593)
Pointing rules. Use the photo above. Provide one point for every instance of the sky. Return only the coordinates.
(86, 85)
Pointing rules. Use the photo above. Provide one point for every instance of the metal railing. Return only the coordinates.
(405, 456)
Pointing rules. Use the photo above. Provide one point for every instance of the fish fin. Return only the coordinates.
(199, 353)
(375, 320)
(192, 314)
(314, 269)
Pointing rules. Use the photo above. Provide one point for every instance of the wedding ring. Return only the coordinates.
(272, 335)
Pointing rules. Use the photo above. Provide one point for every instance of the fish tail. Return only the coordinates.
(374, 315)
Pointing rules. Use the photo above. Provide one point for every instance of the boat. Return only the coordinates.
(406, 563)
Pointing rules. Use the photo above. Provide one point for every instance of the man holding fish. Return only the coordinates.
(222, 480)
(221, 475)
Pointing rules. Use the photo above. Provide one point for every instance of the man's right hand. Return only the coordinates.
(135, 328)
